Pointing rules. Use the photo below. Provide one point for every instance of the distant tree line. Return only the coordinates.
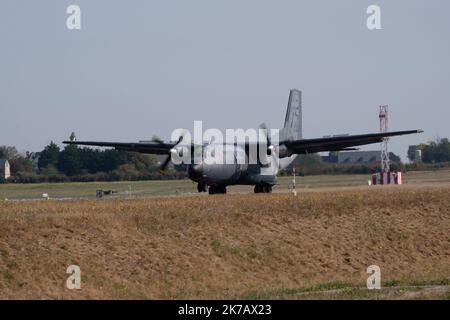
(437, 151)
(313, 164)
(73, 163)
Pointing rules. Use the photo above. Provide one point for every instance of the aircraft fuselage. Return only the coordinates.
(233, 172)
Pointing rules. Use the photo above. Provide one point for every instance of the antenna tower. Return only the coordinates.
(384, 144)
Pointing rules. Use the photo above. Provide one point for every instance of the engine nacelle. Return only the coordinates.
(283, 151)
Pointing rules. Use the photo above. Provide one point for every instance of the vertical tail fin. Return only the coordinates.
(293, 123)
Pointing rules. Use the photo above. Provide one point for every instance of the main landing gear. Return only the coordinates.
(202, 187)
(259, 188)
(263, 188)
(217, 190)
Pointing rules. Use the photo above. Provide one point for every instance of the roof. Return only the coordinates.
(359, 157)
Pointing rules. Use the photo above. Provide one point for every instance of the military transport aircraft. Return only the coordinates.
(216, 177)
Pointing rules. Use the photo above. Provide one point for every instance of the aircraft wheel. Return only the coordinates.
(201, 187)
(217, 190)
(263, 188)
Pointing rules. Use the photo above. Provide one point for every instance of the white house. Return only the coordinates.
(5, 171)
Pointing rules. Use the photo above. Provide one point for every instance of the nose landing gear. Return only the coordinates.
(201, 187)
(263, 188)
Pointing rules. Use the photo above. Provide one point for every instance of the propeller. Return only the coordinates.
(166, 162)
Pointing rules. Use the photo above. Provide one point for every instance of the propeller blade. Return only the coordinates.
(165, 163)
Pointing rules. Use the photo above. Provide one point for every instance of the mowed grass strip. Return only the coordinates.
(87, 190)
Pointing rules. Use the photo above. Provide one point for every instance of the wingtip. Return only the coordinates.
(419, 131)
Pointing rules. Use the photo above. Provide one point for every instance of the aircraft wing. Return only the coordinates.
(153, 147)
(301, 146)
(338, 143)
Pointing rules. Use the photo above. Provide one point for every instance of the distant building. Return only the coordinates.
(5, 171)
(359, 157)
(355, 157)
(418, 156)
(330, 158)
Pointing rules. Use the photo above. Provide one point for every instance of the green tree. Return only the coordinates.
(309, 160)
(429, 152)
(443, 150)
(412, 153)
(7, 152)
(20, 164)
(69, 161)
(91, 160)
(436, 151)
(308, 163)
(49, 156)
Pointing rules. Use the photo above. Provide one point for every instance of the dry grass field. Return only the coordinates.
(315, 245)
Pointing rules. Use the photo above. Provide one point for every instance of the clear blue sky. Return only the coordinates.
(139, 68)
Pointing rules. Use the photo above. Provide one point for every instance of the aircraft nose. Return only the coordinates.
(196, 171)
